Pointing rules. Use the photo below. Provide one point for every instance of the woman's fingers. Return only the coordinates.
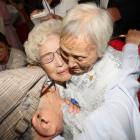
(71, 107)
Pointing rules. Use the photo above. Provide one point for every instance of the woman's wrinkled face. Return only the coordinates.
(3, 52)
(51, 60)
(79, 54)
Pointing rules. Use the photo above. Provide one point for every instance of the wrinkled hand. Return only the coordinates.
(71, 107)
(133, 36)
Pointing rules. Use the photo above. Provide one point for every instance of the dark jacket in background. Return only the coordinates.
(130, 13)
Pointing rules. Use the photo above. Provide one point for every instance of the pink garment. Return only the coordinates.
(10, 32)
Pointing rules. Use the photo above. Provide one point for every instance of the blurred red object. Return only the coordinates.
(118, 44)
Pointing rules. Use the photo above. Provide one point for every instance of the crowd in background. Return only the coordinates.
(23, 43)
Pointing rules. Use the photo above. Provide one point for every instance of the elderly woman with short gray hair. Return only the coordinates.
(94, 25)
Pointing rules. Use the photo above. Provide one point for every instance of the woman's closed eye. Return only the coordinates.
(64, 55)
(79, 58)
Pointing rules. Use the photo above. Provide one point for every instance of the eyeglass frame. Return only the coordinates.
(49, 53)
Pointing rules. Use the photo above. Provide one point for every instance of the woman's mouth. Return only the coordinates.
(63, 72)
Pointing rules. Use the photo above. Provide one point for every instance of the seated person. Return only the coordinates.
(119, 112)
(10, 58)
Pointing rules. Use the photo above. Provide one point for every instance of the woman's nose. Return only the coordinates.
(38, 119)
(71, 62)
(59, 61)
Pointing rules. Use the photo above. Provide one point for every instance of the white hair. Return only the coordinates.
(38, 36)
(89, 22)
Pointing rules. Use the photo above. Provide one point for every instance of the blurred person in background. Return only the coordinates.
(10, 31)
(58, 8)
(10, 58)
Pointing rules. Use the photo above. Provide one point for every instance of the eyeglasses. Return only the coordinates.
(48, 57)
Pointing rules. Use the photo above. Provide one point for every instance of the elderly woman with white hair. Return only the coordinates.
(84, 46)
(42, 49)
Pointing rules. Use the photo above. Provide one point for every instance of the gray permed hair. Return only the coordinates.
(87, 21)
(38, 36)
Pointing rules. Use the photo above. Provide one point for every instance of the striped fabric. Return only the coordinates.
(19, 97)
